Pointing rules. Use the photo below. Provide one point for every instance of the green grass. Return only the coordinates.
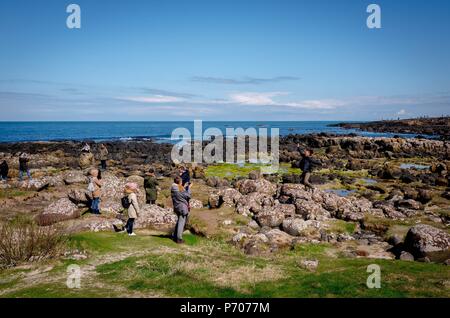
(154, 265)
(10, 193)
(213, 268)
(230, 171)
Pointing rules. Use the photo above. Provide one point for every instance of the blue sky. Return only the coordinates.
(223, 60)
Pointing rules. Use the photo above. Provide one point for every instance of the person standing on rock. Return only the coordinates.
(151, 187)
(94, 187)
(23, 166)
(103, 156)
(185, 176)
(133, 207)
(4, 169)
(180, 199)
(306, 165)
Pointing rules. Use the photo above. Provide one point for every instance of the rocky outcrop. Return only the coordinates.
(427, 241)
(74, 177)
(58, 211)
(155, 217)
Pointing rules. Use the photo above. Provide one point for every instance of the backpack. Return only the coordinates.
(125, 202)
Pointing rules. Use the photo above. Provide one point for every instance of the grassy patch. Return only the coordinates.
(230, 171)
(11, 193)
(212, 268)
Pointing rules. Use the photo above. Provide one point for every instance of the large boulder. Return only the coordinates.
(229, 196)
(195, 204)
(86, 160)
(264, 186)
(253, 203)
(311, 210)
(33, 185)
(61, 210)
(427, 241)
(79, 196)
(113, 190)
(294, 226)
(214, 201)
(155, 217)
(74, 177)
(270, 217)
(310, 229)
(279, 238)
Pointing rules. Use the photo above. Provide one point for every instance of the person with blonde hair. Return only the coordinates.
(94, 187)
(131, 189)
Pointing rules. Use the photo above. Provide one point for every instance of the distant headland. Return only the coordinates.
(437, 126)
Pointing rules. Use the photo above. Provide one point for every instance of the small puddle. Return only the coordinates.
(369, 181)
(413, 166)
(341, 192)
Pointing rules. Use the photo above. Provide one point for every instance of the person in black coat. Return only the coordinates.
(306, 165)
(185, 176)
(4, 169)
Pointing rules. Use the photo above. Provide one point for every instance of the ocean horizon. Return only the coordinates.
(160, 131)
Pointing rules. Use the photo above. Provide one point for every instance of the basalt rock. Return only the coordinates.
(427, 241)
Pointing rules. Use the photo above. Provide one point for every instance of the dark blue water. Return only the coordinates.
(161, 131)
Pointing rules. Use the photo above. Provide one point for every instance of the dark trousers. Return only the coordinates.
(129, 225)
(304, 179)
(103, 164)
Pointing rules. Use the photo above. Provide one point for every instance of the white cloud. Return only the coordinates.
(154, 99)
(401, 112)
(256, 99)
(267, 99)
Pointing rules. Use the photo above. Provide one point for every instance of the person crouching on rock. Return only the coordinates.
(95, 188)
(23, 166)
(4, 169)
(133, 207)
(180, 199)
(151, 187)
(306, 165)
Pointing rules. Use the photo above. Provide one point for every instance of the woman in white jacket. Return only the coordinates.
(133, 210)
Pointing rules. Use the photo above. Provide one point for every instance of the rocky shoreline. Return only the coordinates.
(438, 127)
(375, 197)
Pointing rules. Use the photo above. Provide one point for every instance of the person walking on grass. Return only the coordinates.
(306, 165)
(151, 187)
(4, 169)
(103, 156)
(23, 166)
(180, 199)
(133, 207)
(94, 187)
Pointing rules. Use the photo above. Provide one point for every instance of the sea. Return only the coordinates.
(159, 131)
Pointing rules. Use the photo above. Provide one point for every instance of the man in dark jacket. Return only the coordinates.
(151, 187)
(180, 201)
(306, 165)
(4, 169)
(23, 166)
